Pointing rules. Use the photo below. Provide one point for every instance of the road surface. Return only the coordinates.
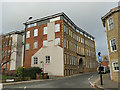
(79, 81)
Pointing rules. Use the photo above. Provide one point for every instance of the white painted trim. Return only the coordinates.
(113, 66)
(54, 19)
(111, 47)
(108, 23)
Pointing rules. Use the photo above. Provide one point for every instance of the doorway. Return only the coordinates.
(80, 65)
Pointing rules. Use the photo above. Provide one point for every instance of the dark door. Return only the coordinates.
(80, 65)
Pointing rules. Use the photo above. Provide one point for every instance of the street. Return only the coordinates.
(79, 81)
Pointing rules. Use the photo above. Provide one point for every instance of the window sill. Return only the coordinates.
(116, 71)
(27, 37)
(113, 51)
(45, 46)
(47, 63)
(57, 31)
(36, 36)
(57, 45)
(45, 34)
(110, 29)
(35, 64)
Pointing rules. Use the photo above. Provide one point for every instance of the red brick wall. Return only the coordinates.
(8, 72)
(29, 53)
(6, 48)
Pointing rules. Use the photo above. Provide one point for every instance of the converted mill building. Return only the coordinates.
(64, 48)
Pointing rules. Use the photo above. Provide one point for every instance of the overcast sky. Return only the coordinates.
(87, 15)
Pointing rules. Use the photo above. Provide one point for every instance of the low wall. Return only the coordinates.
(9, 72)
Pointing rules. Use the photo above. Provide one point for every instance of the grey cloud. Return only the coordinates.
(86, 15)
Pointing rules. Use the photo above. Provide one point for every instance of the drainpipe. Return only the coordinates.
(24, 45)
(25, 39)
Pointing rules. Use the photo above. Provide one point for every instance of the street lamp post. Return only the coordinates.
(24, 43)
(100, 68)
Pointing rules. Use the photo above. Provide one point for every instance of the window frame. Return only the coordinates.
(45, 41)
(28, 34)
(57, 41)
(57, 28)
(35, 32)
(64, 42)
(110, 23)
(35, 60)
(65, 59)
(35, 45)
(47, 59)
(112, 46)
(45, 30)
(82, 40)
(114, 66)
(26, 46)
(64, 28)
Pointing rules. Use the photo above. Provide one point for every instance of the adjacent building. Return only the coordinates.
(12, 50)
(105, 60)
(57, 45)
(111, 21)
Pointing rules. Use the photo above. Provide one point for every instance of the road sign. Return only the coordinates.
(99, 58)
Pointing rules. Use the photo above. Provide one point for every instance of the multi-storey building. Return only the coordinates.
(12, 50)
(111, 22)
(64, 48)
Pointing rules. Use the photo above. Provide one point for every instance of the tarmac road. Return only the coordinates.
(79, 81)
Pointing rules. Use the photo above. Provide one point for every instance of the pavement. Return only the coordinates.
(75, 81)
(107, 83)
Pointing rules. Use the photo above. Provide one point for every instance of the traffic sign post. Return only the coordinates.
(100, 60)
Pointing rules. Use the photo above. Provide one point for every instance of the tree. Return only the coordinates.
(8, 48)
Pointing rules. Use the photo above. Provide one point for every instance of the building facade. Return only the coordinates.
(111, 22)
(12, 50)
(57, 45)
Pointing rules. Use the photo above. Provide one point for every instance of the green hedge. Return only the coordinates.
(28, 72)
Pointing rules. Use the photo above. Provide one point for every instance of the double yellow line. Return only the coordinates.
(92, 85)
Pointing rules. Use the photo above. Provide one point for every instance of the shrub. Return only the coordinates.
(28, 72)
(31, 72)
(19, 72)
